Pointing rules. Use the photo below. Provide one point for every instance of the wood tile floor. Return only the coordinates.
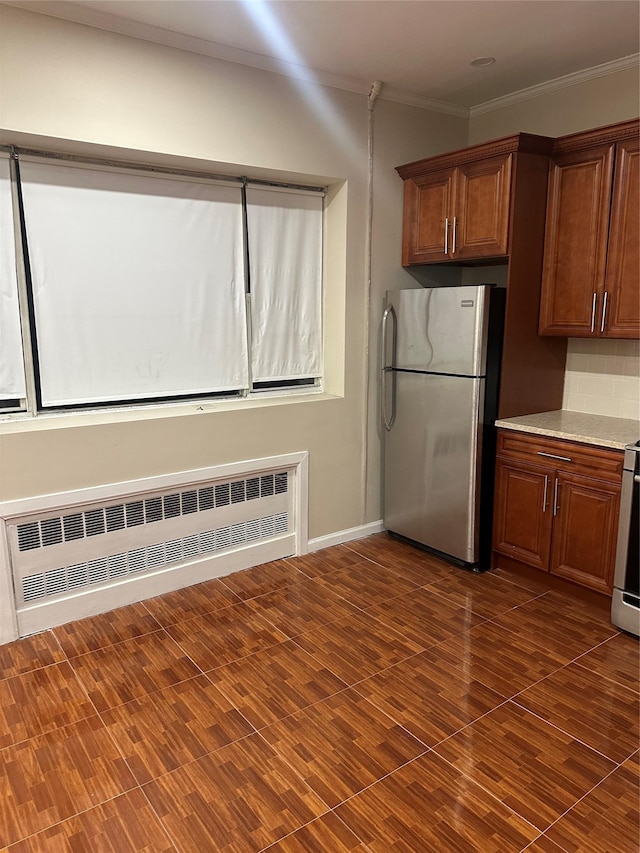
(366, 698)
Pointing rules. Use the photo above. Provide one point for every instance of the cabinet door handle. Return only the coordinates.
(544, 497)
(604, 310)
(593, 312)
(455, 222)
(554, 456)
(556, 503)
(446, 235)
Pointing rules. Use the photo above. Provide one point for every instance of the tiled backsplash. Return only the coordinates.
(603, 378)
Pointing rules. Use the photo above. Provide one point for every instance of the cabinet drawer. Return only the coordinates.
(602, 463)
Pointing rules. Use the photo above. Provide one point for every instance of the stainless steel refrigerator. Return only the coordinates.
(441, 350)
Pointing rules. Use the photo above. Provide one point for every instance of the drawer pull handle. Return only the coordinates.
(554, 456)
(544, 498)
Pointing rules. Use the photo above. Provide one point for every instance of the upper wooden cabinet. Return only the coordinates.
(590, 283)
(487, 204)
(457, 206)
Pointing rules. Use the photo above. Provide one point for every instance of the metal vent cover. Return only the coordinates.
(102, 570)
(58, 553)
(99, 520)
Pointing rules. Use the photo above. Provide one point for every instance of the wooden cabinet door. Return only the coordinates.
(576, 242)
(622, 283)
(523, 514)
(481, 227)
(428, 206)
(584, 535)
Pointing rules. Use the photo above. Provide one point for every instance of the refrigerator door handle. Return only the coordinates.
(385, 368)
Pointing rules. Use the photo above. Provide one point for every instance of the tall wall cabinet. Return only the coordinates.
(486, 204)
(590, 285)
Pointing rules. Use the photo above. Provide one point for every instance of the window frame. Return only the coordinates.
(31, 406)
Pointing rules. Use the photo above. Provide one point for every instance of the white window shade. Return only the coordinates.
(137, 284)
(12, 383)
(285, 262)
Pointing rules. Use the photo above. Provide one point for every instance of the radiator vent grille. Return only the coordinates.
(121, 516)
(104, 570)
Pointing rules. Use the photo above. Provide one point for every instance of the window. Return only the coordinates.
(285, 251)
(156, 287)
(12, 379)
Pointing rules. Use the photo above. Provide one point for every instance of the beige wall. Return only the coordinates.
(111, 94)
(602, 377)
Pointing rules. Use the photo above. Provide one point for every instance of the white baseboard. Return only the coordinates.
(349, 535)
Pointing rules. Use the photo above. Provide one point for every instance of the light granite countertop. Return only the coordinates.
(577, 426)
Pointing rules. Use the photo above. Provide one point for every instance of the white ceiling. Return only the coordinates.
(419, 49)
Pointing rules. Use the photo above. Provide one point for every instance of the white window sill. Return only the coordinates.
(19, 423)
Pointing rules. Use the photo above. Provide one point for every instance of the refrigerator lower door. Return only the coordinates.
(432, 460)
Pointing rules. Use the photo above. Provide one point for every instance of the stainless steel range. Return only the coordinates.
(625, 605)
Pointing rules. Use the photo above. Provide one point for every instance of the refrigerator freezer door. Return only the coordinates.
(440, 329)
(432, 463)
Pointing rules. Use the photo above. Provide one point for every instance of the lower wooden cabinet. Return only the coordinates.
(522, 519)
(560, 516)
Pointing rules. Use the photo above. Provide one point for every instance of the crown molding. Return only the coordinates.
(400, 97)
(558, 83)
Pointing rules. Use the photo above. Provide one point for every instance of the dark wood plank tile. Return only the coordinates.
(191, 601)
(125, 824)
(424, 618)
(105, 629)
(531, 766)
(427, 697)
(224, 636)
(341, 745)
(326, 560)
(56, 775)
(366, 584)
(29, 653)
(326, 834)
(241, 798)
(275, 682)
(582, 602)
(607, 819)
(595, 710)
(534, 580)
(301, 607)
(163, 731)
(40, 701)
(502, 660)
(617, 659)
(430, 806)
(357, 647)
(483, 594)
(408, 561)
(543, 844)
(262, 579)
(133, 668)
(548, 621)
